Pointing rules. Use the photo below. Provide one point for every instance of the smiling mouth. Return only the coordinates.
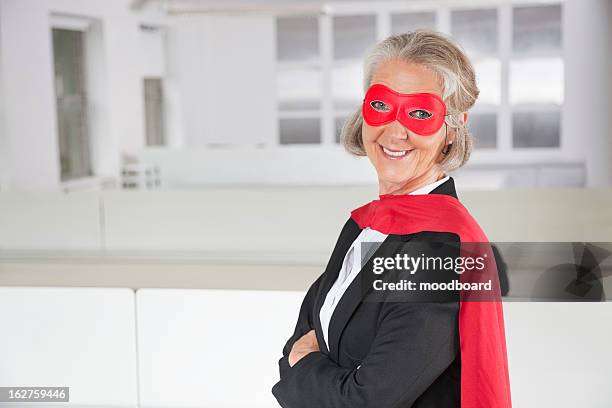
(394, 154)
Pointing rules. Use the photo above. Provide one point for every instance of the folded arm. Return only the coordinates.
(414, 344)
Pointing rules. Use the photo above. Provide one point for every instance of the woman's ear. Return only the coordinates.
(463, 120)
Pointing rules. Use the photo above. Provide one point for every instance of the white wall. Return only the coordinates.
(3, 141)
(587, 120)
(226, 78)
(84, 339)
(182, 364)
(558, 353)
(185, 348)
(174, 123)
(29, 133)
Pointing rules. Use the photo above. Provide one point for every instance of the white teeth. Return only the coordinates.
(394, 154)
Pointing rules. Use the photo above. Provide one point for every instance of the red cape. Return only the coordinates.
(484, 363)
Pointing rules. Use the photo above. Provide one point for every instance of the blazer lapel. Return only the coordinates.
(353, 296)
(349, 233)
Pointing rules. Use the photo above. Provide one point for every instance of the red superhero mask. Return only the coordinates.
(422, 113)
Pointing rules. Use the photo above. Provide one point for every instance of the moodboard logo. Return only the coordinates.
(490, 271)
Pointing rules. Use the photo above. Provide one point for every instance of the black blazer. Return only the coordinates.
(381, 354)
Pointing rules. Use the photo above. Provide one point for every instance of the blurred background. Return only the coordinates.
(191, 93)
(170, 172)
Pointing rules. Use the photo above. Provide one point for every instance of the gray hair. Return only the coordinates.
(448, 61)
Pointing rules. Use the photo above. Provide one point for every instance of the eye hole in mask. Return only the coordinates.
(380, 106)
(422, 113)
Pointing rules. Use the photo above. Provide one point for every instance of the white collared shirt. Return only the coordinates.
(350, 269)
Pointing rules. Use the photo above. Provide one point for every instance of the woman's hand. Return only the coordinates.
(304, 346)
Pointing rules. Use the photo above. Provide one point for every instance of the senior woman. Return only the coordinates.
(347, 352)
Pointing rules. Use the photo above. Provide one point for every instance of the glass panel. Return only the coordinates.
(346, 86)
(298, 88)
(475, 30)
(71, 102)
(536, 129)
(403, 22)
(537, 29)
(300, 130)
(154, 113)
(483, 127)
(488, 78)
(536, 80)
(339, 122)
(297, 38)
(353, 35)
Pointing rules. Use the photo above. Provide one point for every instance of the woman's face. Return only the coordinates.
(403, 159)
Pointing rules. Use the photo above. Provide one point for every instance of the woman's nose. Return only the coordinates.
(397, 131)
